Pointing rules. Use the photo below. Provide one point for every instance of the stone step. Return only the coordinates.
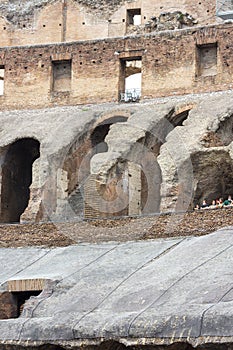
(75, 201)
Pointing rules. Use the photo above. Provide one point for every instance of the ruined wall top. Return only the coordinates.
(14, 11)
(29, 22)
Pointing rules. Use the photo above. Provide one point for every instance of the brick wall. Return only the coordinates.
(8, 305)
(169, 66)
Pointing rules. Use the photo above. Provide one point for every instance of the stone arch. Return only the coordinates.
(151, 190)
(76, 167)
(106, 117)
(150, 177)
(17, 177)
(213, 175)
(77, 162)
(139, 176)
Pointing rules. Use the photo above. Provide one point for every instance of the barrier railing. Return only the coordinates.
(130, 95)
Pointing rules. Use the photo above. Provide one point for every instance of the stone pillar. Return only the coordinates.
(134, 173)
(33, 212)
(62, 192)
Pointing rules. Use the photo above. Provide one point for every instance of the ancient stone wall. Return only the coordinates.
(175, 62)
(70, 72)
(36, 22)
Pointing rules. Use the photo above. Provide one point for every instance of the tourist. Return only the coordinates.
(204, 204)
(213, 205)
(227, 203)
(219, 202)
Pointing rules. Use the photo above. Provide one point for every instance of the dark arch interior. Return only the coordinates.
(98, 136)
(101, 131)
(111, 345)
(213, 174)
(183, 346)
(178, 119)
(225, 131)
(94, 144)
(17, 178)
(151, 176)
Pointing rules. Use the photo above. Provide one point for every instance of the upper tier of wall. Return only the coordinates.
(173, 62)
(50, 21)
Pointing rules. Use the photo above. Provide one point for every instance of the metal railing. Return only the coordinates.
(130, 95)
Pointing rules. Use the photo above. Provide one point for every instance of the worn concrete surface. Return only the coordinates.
(132, 292)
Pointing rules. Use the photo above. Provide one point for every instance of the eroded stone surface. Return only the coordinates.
(162, 138)
(176, 147)
(16, 12)
(134, 291)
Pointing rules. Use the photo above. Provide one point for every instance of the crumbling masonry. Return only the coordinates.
(77, 142)
(110, 109)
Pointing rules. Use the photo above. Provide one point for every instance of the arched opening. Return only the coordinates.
(213, 175)
(100, 132)
(177, 119)
(111, 345)
(77, 162)
(151, 176)
(17, 178)
(97, 138)
(139, 178)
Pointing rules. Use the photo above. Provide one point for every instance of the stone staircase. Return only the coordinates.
(70, 208)
(92, 206)
(76, 201)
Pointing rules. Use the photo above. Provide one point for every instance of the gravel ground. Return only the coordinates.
(159, 226)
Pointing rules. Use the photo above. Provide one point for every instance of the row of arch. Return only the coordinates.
(212, 169)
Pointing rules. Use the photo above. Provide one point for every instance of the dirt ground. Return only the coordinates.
(158, 226)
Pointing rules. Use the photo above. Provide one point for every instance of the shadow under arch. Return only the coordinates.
(111, 345)
(133, 185)
(17, 177)
(213, 175)
(77, 161)
(223, 135)
(100, 132)
(151, 179)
